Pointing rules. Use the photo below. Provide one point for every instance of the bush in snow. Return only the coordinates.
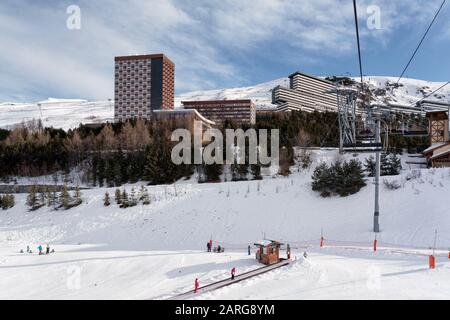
(106, 201)
(33, 200)
(341, 178)
(7, 201)
(390, 165)
(118, 196)
(305, 159)
(392, 185)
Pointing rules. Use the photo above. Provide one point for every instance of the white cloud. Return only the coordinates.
(204, 38)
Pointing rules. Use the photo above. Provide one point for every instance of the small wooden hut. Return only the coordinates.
(268, 251)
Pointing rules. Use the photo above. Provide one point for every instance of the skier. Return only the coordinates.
(233, 272)
(196, 285)
(249, 250)
(218, 248)
(28, 249)
(208, 247)
(47, 249)
(40, 249)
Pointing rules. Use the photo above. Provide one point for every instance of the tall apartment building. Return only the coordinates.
(143, 83)
(306, 93)
(238, 111)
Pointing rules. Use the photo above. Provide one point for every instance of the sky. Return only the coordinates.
(214, 43)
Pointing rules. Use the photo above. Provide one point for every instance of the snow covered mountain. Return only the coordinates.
(64, 113)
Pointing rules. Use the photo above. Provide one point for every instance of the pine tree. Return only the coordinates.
(142, 191)
(255, 170)
(32, 199)
(124, 200)
(65, 198)
(109, 172)
(395, 165)
(7, 201)
(11, 202)
(385, 166)
(321, 179)
(145, 198)
(78, 199)
(133, 198)
(370, 166)
(213, 172)
(106, 201)
(118, 196)
(42, 199)
(152, 169)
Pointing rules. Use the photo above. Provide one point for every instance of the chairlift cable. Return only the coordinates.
(421, 41)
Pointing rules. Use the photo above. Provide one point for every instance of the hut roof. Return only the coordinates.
(266, 242)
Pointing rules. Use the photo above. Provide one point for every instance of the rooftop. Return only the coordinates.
(144, 56)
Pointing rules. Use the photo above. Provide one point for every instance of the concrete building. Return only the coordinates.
(143, 83)
(238, 111)
(305, 93)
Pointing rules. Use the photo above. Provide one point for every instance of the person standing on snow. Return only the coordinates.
(196, 285)
(249, 250)
(47, 249)
(208, 247)
(233, 272)
(40, 249)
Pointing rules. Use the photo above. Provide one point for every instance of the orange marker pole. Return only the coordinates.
(432, 262)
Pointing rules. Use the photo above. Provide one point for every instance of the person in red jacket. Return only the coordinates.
(233, 272)
(196, 285)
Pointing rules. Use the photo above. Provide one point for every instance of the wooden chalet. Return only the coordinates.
(268, 251)
(438, 154)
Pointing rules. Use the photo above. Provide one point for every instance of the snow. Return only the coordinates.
(69, 113)
(263, 243)
(156, 251)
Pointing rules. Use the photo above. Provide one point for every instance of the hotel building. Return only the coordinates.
(237, 111)
(143, 83)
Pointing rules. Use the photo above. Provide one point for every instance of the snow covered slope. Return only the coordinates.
(237, 214)
(155, 251)
(58, 113)
(70, 113)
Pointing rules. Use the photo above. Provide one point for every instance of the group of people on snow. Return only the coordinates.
(218, 249)
(40, 250)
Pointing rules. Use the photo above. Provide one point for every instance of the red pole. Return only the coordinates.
(432, 262)
(321, 242)
(375, 245)
(196, 285)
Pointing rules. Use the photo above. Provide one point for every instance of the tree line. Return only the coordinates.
(112, 154)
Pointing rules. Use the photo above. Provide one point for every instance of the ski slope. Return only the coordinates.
(69, 113)
(156, 251)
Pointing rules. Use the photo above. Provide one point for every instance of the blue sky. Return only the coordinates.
(214, 44)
